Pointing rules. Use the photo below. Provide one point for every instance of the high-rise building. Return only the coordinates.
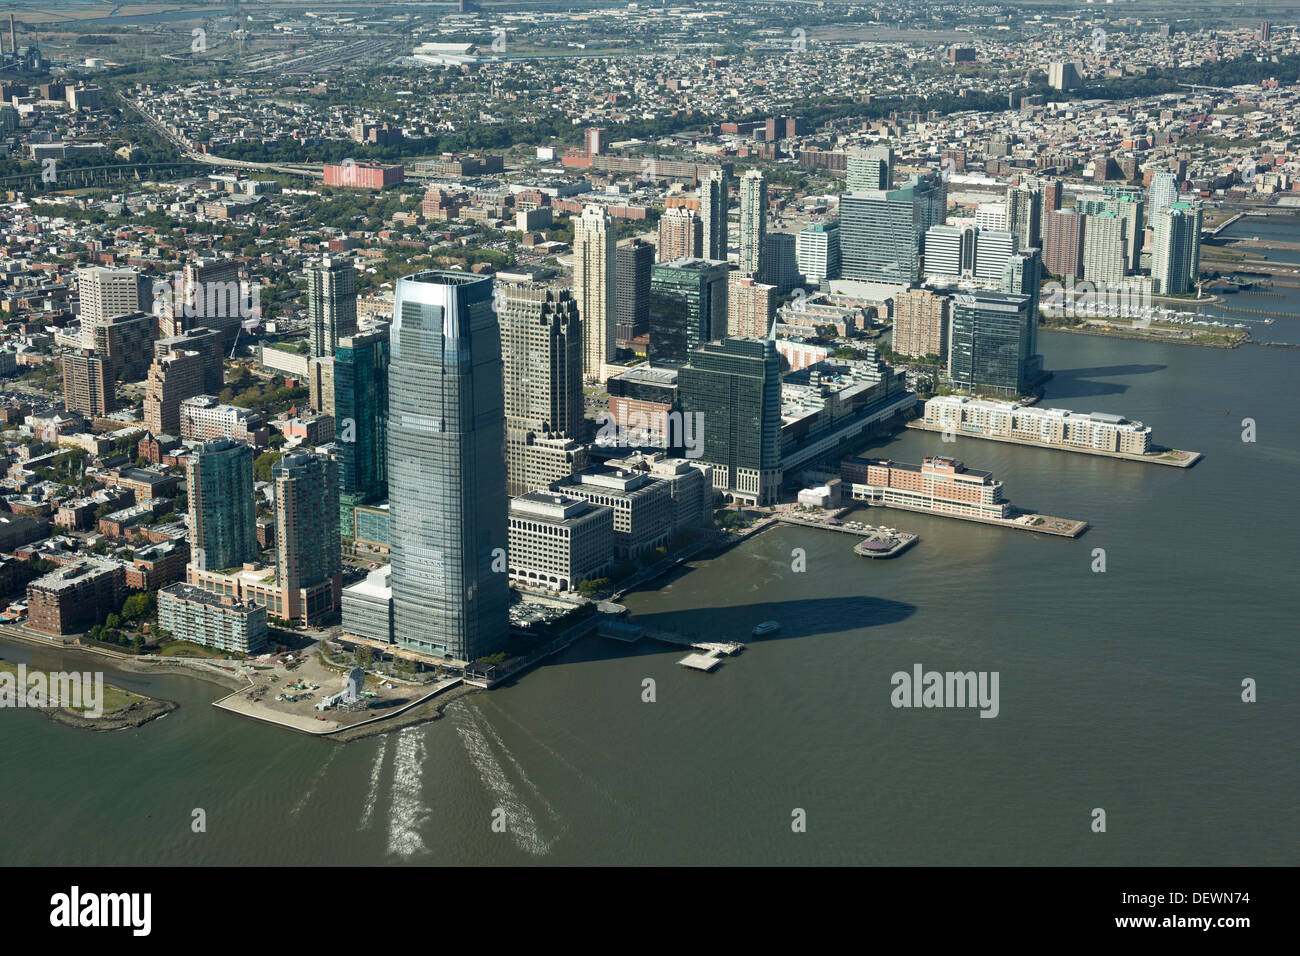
(212, 297)
(991, 217)
(870, 168)
(360, 386)
(1126, 206)
(594, 270)
(1066, 75)
(882, 232)
(992, 250)
(308, 564)
(223, 514)
(713, 213)
(127, 341)
(1103, 249)
(817, 250)
(1023, 275)
(1162, 193)
(634, 262)
(541, 350)
(446, 470)
(681, 235)
(88, 383)
(753, 221)
(207, 342)
(1063, 248)
(1176, 258)
(751, 306)
(688, 307)
(780, 261)
(950, 251)
(921, 324)
(1023, 212)
(173, 378)
(331, 304)
(735, 385)
(103, 294)
(988, 348)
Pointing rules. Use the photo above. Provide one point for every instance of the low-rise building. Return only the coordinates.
(76, 596)
(213, 620)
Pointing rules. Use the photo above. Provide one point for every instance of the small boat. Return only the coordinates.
(767, 627)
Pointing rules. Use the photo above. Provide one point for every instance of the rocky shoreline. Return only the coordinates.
(136, 714)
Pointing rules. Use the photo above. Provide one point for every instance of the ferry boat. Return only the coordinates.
(766, 628)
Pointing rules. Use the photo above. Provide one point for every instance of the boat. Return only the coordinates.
(767, 627)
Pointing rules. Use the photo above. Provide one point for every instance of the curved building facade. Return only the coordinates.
(446, 467)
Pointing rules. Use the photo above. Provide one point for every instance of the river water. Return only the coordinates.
(1118, 690)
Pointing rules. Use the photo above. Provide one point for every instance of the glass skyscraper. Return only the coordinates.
(446, 467)
(361, 414)
(223, 516)
(882, 231)
(688, 307)
(991, 341)
(331, 304)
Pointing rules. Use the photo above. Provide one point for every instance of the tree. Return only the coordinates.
(113, 621)
(263, 463)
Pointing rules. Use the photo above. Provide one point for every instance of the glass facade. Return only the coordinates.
(361, 414)
(223, 512)
(688, 307)
(990, 341)
(446, 467)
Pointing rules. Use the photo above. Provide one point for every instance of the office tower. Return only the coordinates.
(1162, 193)
(1127, 206)
(1065, 75)
(1022, 216)
(88, 383)
(950, 251)
(681, 235)
(541, 350)
(817, 251)
(1176, 258)
(751, 306)
(753, 221)
(1103, 248)
(594, 257)
(223, 509)
(633, 264)
(308, 563)
(688, 307)
(127, 341)
(1023, 275)
(360, 390)
(780, 261)
(331, 304)
(882, 233)
(1063, 248)
(921, 324)
(735, 385)
(988, 348)
(173, 378)
(713, 213)
(103, 294)
(446, 470)
(992, 250)
(212, 297)
(991, 217)
(207, 342)
(870, 168)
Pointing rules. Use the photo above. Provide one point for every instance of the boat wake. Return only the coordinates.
(408, 811)
(376, 773)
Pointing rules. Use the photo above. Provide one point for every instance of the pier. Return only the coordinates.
(875, 543)
(708, 654)
(1173, 457)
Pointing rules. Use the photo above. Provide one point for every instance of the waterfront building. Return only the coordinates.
(331, 305)
(990, 344)
(557, 541)
(1103, 249)
(1023, 275)
(594, 271)
(1162, 193)
(941, 485)
(921, 324)
(360, 403)
(817, 251)
(1128, 207)
(76, 596)
(222, 508)
(643, 507)
(213, 620)
(309, 568)
(1060, 427)
(634, 262)
(1176, 258)
(368, 606)
(446, 470)
(688, 306)
(753, 221)
(735, 385)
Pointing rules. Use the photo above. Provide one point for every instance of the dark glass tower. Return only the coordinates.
(446, 467)
(361, 415)
(989, 348)
(688, 307)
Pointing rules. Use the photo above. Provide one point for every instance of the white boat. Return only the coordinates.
(767, 627)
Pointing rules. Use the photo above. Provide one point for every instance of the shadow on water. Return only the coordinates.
(1081, 382)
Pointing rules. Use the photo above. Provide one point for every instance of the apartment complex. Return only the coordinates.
(218, 621)
(921, 323)
(1047, 426)
(76, 596)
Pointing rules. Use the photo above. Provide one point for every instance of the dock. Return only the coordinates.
(1026, 521)
(876, 542)
(708, 654)
(1173, 457)
(701, 662)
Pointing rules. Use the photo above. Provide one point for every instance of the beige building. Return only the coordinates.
(594, 258)
(921, 323)
(557, 541)
(751, 307)
(173, 378)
